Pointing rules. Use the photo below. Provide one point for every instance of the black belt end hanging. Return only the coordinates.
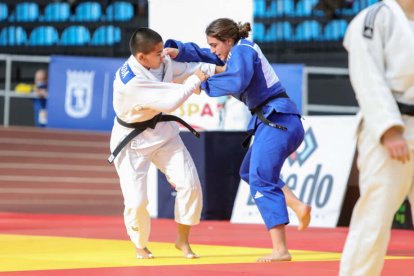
(247, 140)
(258, 111)
(111, 159)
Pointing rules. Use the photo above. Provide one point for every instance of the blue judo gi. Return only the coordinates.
(250, 78)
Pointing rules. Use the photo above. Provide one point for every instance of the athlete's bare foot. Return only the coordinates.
(275, 257)
(144, 253)
(304, 215)
(186, 249)
(182, 241)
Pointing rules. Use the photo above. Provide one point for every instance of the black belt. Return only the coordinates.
(141, 126)
(406, 109)
(259, 112)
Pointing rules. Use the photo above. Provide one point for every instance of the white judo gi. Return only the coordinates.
(381, 72)
(139, 95)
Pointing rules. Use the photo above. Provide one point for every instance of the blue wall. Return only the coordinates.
(80, 92)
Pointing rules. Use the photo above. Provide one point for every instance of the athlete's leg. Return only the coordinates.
(174, 160)
(301, 209)
(269, 151)
(384, 184)
(280, 251)
(132, 169)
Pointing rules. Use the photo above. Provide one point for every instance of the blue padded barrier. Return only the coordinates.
(75, 36)
(283, 31)
(308, 30)
(56, 12)
(44, 36)
(285, 7)
(25, 12)
(13, 36)
(106, 35)
(88, 12)
(4, 12)
(259, 8)
(278, 31)
(305, 8)
(120, 11)
(259, 32)
(335, 29)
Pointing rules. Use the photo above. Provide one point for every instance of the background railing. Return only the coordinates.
(311, 104)
(8, 93)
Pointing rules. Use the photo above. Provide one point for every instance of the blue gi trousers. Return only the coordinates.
(264, 160)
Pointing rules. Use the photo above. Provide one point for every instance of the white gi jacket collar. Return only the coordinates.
(164, 73)
(405, 23)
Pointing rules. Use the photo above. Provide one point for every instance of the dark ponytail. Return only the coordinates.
(225, 28)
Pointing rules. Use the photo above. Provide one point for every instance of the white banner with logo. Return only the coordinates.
(201, 112)
(317, 172)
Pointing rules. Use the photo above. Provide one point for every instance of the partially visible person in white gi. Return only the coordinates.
(380, 43)
(143, 91)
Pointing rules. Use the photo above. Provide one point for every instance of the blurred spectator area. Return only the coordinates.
(288, 31)
(98, 28)
(305, 31)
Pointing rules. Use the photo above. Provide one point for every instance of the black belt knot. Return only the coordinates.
(259, 112)
(139, 127)
(268, 100)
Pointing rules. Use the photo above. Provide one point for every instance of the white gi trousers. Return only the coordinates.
(384, 184)
(173, 159)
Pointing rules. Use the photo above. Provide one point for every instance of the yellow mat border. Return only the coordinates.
(30, 252)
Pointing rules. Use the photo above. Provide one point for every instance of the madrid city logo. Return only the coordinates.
(307, 148)
(79, 92)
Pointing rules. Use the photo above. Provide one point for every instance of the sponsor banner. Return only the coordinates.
(206, 113)
(201, 112)
(80, 92)
(317, 172)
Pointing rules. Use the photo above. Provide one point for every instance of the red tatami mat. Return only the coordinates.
(207, 233)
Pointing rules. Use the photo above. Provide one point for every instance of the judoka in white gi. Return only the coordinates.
(276, 122)
(380, 42)
(143, 89)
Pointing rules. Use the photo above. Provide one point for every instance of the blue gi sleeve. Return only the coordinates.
(191, 52)
(238, 74)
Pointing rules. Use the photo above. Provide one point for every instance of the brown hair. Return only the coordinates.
(143, 41)
(225, 28)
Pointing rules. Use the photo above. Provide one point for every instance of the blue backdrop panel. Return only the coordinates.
(80, 92)
(291, 76)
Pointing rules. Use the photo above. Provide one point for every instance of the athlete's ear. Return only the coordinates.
(140, 57)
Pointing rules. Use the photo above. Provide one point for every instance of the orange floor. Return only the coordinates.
(44, 229)
(45, 244)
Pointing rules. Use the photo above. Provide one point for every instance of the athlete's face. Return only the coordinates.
(153, 59)
(220, 48)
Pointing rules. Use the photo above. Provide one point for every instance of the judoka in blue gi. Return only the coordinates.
(276, 122)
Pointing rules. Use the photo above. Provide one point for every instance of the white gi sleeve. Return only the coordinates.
(160, 96)
(183, 69)
(367, 71)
